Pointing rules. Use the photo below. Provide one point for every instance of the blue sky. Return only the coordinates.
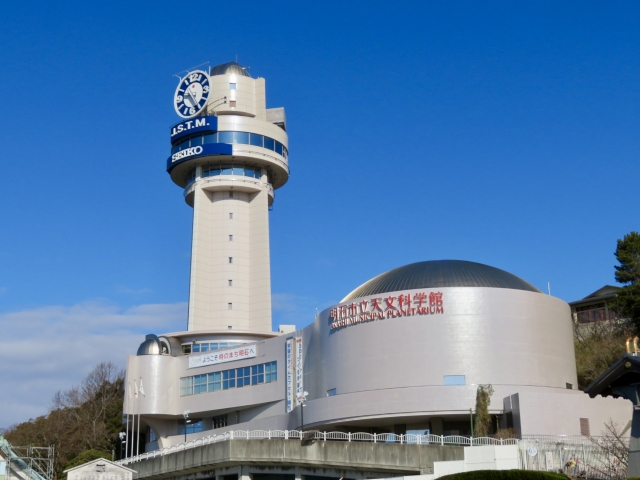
(499, 132)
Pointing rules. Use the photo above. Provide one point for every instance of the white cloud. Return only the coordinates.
(47, 349)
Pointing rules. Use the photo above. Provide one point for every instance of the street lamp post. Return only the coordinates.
(302, 399)
(185, 414)
(122, 436)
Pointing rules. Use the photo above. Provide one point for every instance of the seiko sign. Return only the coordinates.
(209, 149)
(196, 125)
(187, 152)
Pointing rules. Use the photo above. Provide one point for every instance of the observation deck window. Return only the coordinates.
(269, 143)
(239, 138)
(255, 139)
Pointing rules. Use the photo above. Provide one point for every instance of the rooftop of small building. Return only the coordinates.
(439, 274)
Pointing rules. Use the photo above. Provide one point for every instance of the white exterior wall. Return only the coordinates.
(250, 292)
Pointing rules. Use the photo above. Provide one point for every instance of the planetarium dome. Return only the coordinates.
(440, 273)
(229, 68)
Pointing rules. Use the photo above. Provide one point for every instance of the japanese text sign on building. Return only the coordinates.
(215, 357)
(299, 371)
(289, 373)
(379, 308)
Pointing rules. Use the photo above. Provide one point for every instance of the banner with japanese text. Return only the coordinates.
(228, 355)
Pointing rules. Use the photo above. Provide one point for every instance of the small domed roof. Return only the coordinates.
(229, 68)
(440, 273)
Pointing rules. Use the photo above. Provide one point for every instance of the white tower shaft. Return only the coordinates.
(230, 269)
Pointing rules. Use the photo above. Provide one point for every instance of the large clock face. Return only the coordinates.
(192, 94)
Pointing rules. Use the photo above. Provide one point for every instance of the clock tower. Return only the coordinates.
(229, 154)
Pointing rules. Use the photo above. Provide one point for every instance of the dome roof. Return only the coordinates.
(229, 68)
(440, 273)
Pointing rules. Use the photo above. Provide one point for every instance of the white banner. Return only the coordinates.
(299, 372)
(229, 355)
(289, 366)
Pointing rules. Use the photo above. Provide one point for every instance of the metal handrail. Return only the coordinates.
(409, 439)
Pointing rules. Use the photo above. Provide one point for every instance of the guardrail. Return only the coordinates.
(409, 439)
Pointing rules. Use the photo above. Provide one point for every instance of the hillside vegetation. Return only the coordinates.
(83, 423)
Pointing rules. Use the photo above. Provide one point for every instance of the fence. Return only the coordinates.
(587, 457)
(409, 439)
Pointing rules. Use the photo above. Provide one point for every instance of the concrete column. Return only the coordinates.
(244, 475)
(633, 468)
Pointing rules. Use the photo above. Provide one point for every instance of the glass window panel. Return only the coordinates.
(254, 369)
(174, 149)
(195, 141)
(183, 382)
(225, 137)
(214, 346)
(454, 380)
(211, 138)
(196, 347)
(261, 368)
(183, 392)
(232, 86)
(238, 171)
(256, 139)
(279, 148)
(269, 143)
(223, 345)
(184, 144)
(204, 347)
(241, 137)
(227, 170)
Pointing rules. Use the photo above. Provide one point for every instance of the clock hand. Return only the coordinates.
(192, 93)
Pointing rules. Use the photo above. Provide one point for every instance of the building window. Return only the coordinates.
(152, 435)
(331, 392)
(230, 194)
(245, 138)
(228, 379)
(229, 306)
(271, 372)
(584, 427)
(257, 374)
(219, 421)
(231, 216)
(214, 382)
(231, 238)
(232, 103)
(454, 380)
(230, 259)
(232, 86)
(194, 426)
(243, 376)
(234, 378)
(569, 386)
(231, 283)
(186, 349)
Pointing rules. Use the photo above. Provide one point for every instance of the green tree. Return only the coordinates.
(628, 274)
(82, 421)
(483, 419)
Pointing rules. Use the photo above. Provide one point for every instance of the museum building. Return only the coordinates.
(403, 353)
